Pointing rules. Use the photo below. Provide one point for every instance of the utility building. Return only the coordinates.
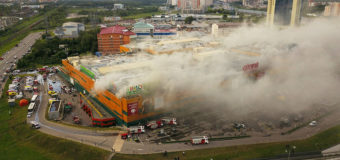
(284, 12)
(69, 30)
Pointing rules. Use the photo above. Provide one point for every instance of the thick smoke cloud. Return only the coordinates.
(301, 69)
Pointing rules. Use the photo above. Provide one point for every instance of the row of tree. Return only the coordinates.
(109, 3)
(133, 11)
(49, 51)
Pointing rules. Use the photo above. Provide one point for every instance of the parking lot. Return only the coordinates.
(70, 96)
(30, 83)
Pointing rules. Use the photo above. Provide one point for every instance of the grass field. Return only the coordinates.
(20, 31)
(19, 141)
(7, 45)
(318, 142)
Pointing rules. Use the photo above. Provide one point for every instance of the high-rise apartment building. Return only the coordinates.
(284, 12)
(193, 6)
(332, 9)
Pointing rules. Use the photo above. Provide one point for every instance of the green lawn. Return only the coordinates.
(321, 141)
(20, 31)
(19, 141)
(10, 44)
(20, 26)
(7, 45)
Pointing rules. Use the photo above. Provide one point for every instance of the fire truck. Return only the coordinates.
(125, 135)
(35, 89)
(155, 124)
(36, 82)
(169, 121)
(200, 140)
(136, 129)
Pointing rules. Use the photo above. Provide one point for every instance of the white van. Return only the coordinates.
(30, 110)
(35, 124)
(34, 98)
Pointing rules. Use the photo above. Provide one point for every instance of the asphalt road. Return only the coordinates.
(102, 139)
(107, 140)
(305, 132)
(23, 47)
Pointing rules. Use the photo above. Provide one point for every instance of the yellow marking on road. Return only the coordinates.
(91, 105)
(117, 146)
(245, 52)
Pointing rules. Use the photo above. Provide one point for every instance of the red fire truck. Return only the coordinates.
(169, 121)
(199, 140)
(136, 129)
(155, 124)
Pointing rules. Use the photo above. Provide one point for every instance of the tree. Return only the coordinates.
(189, 20)
(47, 51)
(225, 16)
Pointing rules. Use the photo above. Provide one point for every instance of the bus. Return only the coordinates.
(34, 98)
(30, 110)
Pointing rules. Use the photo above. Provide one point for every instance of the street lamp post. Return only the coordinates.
(290, 150)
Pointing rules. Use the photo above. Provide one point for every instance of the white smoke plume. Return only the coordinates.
(301, 67)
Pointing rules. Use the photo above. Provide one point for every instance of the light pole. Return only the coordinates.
(290, 150)
(318, 146)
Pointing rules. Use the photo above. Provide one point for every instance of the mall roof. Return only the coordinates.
(142, 25)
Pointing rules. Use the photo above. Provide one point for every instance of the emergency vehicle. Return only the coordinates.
(199, 140)
(155, 124)
(136, 129)
(169, 121)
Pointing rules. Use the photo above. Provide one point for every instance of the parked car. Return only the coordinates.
(313, 123)
(35, 125)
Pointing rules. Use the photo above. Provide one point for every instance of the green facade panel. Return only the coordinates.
(87, 72)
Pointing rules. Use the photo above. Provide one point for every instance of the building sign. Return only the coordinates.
(250, 67)
(132, 108)
(134, 90)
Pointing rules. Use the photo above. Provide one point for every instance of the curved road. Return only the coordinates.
(102, 139)
(109, 140)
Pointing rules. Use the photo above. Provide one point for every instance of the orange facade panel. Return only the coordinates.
(110, 43)
(109, 100)
(128, 110)
(80, 77)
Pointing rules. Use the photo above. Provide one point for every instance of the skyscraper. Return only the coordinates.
(284, 12)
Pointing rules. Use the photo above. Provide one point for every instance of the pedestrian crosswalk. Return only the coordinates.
(118, 144)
